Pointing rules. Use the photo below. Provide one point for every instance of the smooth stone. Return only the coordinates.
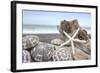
(29, 41)
(57, 41)
(42, 52)
(26, 56)
(62, 54)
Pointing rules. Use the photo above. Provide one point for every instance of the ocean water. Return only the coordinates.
(44, 29)
(39, 29)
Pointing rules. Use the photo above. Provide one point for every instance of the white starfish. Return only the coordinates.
(72, 40)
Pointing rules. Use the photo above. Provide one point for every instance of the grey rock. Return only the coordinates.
(29, 41)
(57, 41)
(42, 52)
(26, 56)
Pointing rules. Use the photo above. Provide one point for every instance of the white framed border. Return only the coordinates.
(22, 66)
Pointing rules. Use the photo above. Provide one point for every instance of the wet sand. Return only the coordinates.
(47, 37)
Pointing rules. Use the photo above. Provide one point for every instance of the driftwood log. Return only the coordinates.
(82, 51)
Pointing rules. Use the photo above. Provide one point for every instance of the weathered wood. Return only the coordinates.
(84, 47)
(80, 55)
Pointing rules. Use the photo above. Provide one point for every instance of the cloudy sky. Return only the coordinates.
(50, 18)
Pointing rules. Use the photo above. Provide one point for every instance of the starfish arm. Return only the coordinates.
(57, 57)
(76, 33)
(65, 43)
(53, 55)
(67, 35)
(73, 49)
(80, 41)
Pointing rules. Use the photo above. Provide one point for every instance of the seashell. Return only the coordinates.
(62, 54)
(29, 41)
(57, 42)
(26, 56)
(42, 52)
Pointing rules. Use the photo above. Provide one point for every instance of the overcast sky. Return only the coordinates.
(54, 18)
(39, 21)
